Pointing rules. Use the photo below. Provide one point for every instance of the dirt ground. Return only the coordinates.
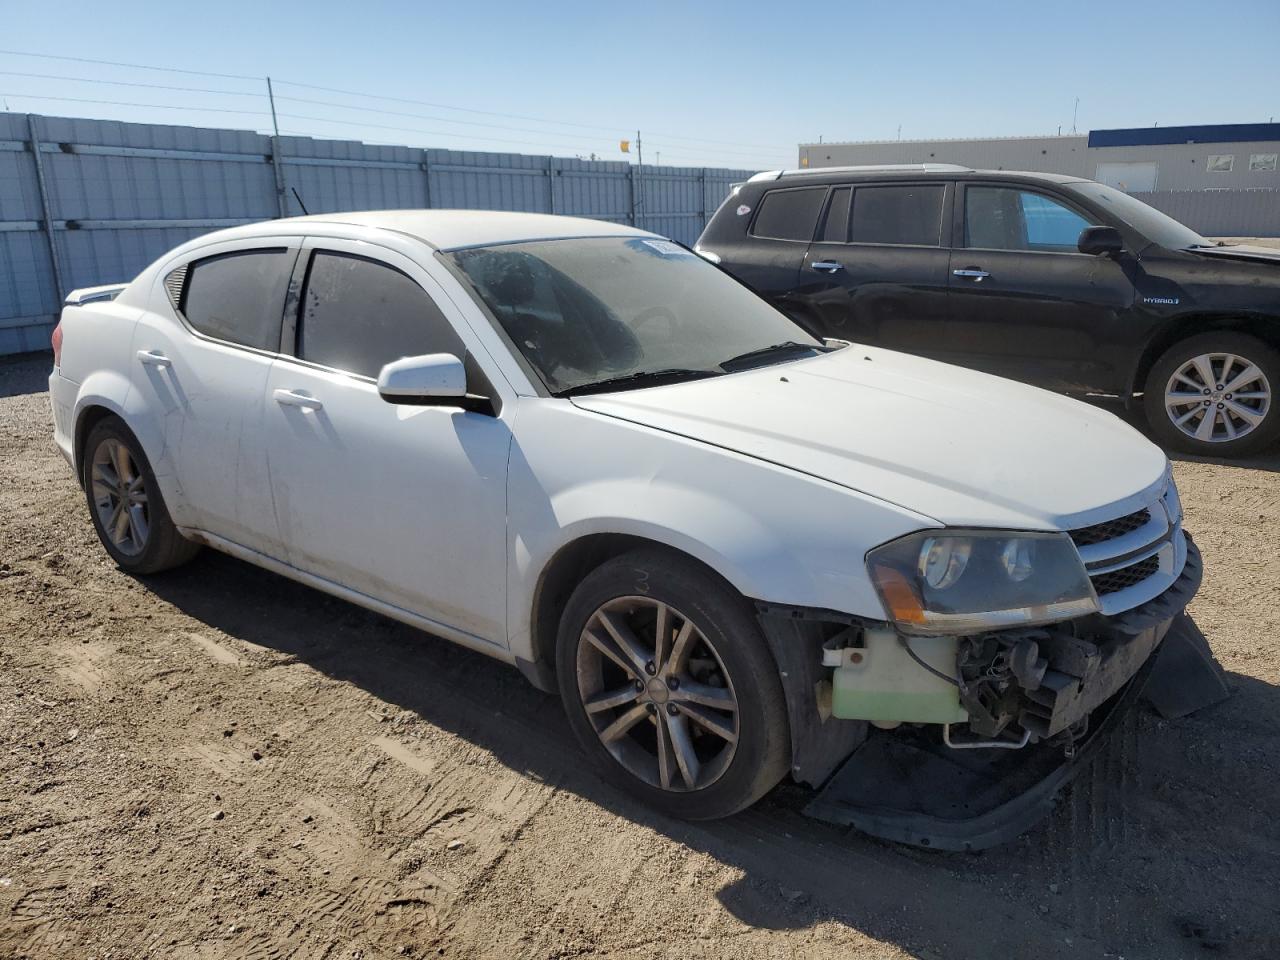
(219, 763)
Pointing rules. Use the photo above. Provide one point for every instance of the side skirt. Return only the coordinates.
(427, 625)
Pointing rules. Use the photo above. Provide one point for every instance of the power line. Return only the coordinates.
(130, 103)
(612, 129)
(134, 66)
(126, 83)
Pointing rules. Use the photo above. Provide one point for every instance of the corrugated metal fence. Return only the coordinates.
(118, 195)
(1221, 213)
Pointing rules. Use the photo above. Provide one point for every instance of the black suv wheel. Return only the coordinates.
(1215, 395)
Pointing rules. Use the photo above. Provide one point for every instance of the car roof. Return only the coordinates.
(906, 170)
(456, 229)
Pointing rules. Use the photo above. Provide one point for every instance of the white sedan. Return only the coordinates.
(583, 450)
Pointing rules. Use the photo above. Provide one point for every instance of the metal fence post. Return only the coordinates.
(277, 167)
(55, 258)
(551, 183)
(426, 177)
(631, 190)
(702, 181)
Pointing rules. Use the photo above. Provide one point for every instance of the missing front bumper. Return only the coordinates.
(909, 787)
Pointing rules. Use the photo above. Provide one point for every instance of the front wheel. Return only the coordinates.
(1214, 395)
(670, 688)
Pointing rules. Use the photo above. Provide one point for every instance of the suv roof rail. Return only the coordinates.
(875, 168)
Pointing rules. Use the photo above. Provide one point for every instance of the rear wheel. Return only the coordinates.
(670, 687)
(125, 504)
(1215, 395)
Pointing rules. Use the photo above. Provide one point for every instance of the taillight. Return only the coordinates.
(56, 339)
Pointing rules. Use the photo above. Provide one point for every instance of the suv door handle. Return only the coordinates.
(826, 266)
(292, 398)
(154, 358)
(975, 275)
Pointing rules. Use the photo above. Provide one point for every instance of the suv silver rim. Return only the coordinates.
(120, 497)
(657, 694)
(1217, 397)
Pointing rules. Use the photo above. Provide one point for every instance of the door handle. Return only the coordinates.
(975, 275)
(154, 358)
(826, 266)
(292, 398)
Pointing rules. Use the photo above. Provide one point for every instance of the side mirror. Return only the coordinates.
(432, 379)
(1100, 241)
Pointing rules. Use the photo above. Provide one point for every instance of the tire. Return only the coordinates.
(675, 704)
(147, 542)
(1179, 376)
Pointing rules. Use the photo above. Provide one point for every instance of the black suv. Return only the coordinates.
(1061, 282)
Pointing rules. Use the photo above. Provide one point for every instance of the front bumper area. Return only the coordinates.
(910, 785)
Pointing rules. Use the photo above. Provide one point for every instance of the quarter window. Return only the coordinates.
(909, 214)
(239, 297)
(789, 214)
(359, 314)
(999, 218)
(836, 228)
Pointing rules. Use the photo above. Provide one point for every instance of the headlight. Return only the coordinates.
(937, 582)
(1172, 502)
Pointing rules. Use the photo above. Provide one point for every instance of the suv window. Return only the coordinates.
(789, 214)
(239, 297)
(909, 214)
(1002, 218)
(836, 227)
(359, 314)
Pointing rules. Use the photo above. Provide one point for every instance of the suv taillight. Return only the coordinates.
(56, 340)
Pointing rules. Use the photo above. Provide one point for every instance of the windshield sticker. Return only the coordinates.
(743, 210)
(667, 248)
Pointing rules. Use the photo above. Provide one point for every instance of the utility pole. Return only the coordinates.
(639, 177)
(282, 202)
(1074, 112)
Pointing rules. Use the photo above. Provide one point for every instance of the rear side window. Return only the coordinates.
(909, 214)
(359, 314)
(239, 297)
(789, 214)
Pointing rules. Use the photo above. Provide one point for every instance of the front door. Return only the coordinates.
(1024, 302)
(405, 504)
(877, 272)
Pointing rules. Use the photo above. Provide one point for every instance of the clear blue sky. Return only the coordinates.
(716, 84)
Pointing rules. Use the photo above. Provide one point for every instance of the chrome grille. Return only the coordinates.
(1134, 557)
(1117, 580)
(1111, 529)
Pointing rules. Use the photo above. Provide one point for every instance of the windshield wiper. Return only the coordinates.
(641, 378)
(764, 355)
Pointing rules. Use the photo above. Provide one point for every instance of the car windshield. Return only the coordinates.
(1155, 226)
(603, 313)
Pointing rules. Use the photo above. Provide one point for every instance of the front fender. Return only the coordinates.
(776, 535)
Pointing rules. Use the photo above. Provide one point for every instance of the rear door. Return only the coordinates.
(203, 368)
(778, 233)
(877, 272)
(1024, 302)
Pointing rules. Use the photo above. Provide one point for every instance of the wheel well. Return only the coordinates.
(564, 572)
(1182, 328)
(89, 417)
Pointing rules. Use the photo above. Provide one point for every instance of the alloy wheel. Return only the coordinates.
(1217, 397)
(657, 694)
(120, 497)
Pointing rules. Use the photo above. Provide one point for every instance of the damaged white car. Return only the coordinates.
(737, 552)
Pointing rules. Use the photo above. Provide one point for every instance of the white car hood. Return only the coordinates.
(964, 448)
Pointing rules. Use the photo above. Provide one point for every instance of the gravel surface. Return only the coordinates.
(220, 763)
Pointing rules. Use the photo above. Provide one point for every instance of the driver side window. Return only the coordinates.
(359, 314)
(1001, 218)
